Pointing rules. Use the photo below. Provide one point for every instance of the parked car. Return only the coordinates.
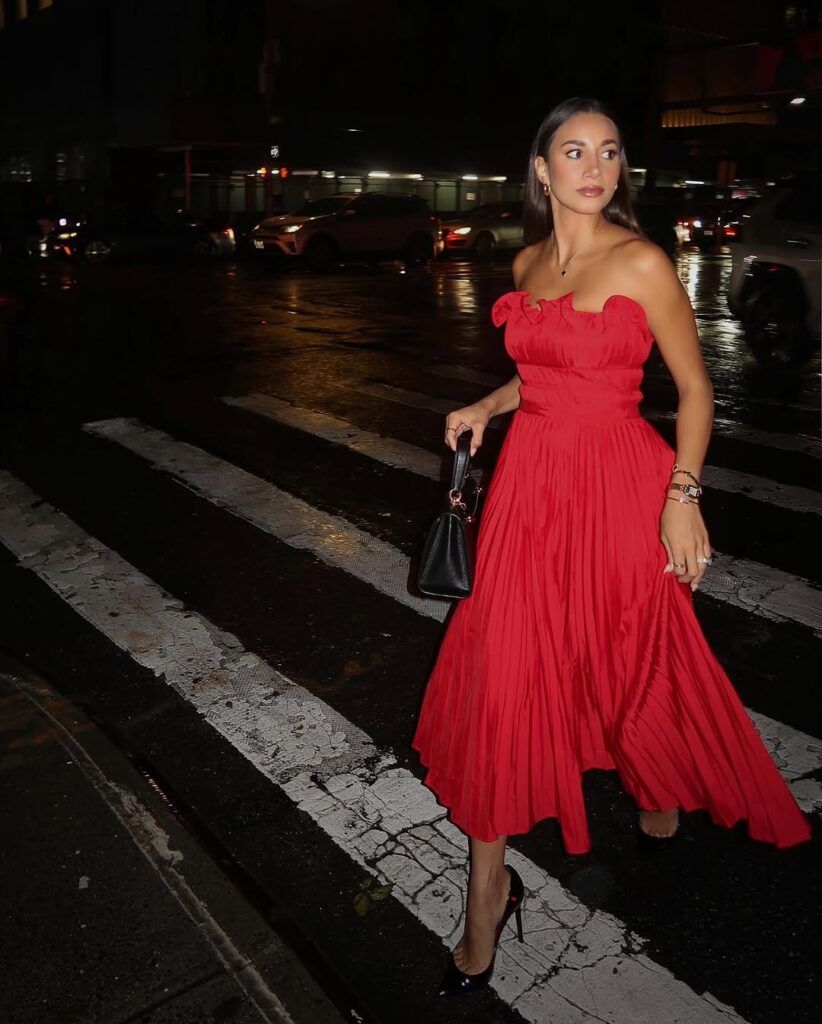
(324, 231)
(131, 234)
(709, 227)
(483, 230)
(776, 274)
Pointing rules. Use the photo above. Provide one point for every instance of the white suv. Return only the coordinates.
(776, 275)
(327, 230)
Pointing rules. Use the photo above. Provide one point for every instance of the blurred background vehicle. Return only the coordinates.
(776, 277)
(327, 230)
(485, 229)
(711, 226)
(131, 234)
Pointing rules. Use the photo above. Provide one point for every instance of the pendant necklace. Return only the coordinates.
(564, 270)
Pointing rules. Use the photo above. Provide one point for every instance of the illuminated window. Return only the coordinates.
(22, 9)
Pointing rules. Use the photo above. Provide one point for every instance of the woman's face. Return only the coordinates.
(583, 164)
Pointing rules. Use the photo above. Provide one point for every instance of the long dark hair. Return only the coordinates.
(538, 221)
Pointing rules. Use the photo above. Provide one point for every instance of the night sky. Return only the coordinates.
(457, 82)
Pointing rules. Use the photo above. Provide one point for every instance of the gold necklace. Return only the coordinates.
(564, 270)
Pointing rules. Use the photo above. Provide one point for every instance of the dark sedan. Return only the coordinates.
(103, 237)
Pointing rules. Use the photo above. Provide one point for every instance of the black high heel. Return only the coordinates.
(454, 981)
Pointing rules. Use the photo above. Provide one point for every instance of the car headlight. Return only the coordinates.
(462, 231)
(289, 229)
(696, 223)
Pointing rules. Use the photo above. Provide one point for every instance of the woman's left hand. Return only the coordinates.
(685, 539)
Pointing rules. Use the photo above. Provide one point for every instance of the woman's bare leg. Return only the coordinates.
(488, 887)
(659, 824)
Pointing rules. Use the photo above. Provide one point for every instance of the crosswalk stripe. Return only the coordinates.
(755, 435)
(330, 538)
(575, 963)
(388, 450)
(383, 567)
(410, 399)
(393, 452)
(749, 585)
(722, 426)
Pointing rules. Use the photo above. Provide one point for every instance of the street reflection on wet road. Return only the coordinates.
(258, 323)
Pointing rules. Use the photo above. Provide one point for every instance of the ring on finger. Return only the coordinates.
(679, 565)
(705, 560)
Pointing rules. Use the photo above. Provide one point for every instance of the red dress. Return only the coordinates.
(574, 650)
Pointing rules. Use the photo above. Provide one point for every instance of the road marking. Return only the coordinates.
(755, 435)
(388, 450)
(397, 453)
(756, 588)
(494, 380)
(411, 399)
(723, 427)
(294, 522)
(576, 963)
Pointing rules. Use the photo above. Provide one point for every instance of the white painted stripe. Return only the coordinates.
(789, 496)
(488, 380)
(494, 380)
(406, 456)
(411, 399)
(754, 435)
(576, 964)
(387, 450)
(756, 588)
(332, 539)
(724, 427)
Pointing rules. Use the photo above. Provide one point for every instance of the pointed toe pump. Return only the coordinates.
(454, 981)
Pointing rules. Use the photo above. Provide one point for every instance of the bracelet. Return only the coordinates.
(678, 469)
(682, 501)
(689, 489)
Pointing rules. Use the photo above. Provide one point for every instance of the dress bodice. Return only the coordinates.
(575, 362)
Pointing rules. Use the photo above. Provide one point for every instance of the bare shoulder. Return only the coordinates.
(523, 262)
(641, 257)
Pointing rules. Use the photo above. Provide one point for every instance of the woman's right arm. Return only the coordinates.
(476, 417)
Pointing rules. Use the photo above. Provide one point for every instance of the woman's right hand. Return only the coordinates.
(471, 417)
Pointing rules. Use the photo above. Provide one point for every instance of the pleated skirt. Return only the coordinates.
(575, 651)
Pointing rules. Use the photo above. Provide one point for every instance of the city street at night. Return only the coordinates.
(215, 480)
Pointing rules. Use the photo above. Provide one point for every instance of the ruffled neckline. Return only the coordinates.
(619, 306)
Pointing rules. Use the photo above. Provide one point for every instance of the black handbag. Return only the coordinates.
(447, 563)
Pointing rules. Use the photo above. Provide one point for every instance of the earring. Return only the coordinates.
(546, 188)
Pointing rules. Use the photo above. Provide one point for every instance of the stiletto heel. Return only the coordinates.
(454, 981)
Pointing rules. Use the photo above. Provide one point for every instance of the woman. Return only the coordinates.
(578, 647)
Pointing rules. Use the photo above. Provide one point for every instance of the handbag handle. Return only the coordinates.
(462, 463)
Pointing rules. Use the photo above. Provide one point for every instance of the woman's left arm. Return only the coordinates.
(672, 323)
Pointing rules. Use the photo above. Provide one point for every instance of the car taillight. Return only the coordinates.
(730, 231)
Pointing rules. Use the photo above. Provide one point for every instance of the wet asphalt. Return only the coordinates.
(165, 345)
